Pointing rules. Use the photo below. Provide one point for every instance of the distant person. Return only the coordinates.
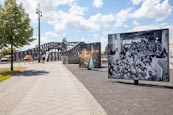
(43, 57)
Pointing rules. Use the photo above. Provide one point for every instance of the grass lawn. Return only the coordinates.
(6, 73)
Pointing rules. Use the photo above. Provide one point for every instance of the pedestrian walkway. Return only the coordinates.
(46, 89)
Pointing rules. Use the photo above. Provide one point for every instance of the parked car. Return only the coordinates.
(7, 58)
(28, 57)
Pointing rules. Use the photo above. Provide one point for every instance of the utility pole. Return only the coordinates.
(39, 12)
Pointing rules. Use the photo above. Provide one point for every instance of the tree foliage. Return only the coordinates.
(2, 26)
(106, 50)
(64, 44)
(7, 50)
(16, 25)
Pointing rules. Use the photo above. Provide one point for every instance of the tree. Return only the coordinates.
(2, 40)
(106, 50)
(16, 25)
(64, 44)
(7, 50)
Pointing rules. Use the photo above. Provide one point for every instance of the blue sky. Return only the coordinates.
(93, 20)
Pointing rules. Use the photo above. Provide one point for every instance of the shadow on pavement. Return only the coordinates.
(145, 85)
(95, 69)
(31, 73)
(99, 70)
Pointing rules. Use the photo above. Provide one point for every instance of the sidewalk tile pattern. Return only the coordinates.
(56, 92)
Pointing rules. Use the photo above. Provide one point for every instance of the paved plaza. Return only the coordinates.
(46, 89)
(121, 97)
(16, 64)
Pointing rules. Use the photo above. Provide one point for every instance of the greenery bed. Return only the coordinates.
(6, 73)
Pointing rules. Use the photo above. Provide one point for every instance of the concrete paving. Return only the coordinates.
(121, 97)
(15, 64)
(171, 63)
(47, 89)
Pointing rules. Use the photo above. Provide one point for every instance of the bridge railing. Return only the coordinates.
(74, 51)
(48, 47)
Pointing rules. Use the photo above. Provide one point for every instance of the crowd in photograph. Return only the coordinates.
(135, 60)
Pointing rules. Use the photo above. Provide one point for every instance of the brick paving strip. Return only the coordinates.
(49, 89)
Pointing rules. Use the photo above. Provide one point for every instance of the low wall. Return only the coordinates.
(70, 59)
(73, 60)
(64, 59)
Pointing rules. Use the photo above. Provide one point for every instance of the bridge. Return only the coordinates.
(55, 50)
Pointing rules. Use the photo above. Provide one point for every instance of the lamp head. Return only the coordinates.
(41, 13)
(37, 11)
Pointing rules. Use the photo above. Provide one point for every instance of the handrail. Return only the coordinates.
(78, 44)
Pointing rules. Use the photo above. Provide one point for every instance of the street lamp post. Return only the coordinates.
(39, 12)
(11, 42)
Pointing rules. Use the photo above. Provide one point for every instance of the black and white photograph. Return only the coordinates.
(139, 55)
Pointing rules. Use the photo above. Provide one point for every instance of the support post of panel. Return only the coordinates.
(136, 82)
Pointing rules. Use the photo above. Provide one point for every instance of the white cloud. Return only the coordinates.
(61, 20)
(148, 27)
(104, 42)
(108, 32)
(136, 2)
(155, 26)
(30, 8)
(45, 40)
(122, 17)
(52, 16)
(155, 9)
(78, 22)
(74, 19)
(77, 10)
(62, 2)
(51, 35)
(82, 39)
(45, 6)
(135, 23)
(69, 21)
(101, 20)
(126, 26)
(98, 3)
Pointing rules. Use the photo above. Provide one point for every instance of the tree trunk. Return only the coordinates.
(11, 57)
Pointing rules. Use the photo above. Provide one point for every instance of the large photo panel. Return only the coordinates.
(90, 53)
(139, 55)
